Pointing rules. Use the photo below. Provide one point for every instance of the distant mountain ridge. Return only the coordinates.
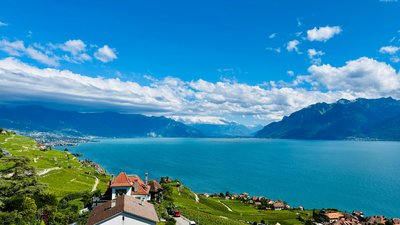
(107, 124)
(374, 119)
(229, 129)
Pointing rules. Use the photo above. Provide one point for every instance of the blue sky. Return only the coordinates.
(246, 61)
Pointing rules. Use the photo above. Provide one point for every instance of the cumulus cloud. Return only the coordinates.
(315, 56)
(18, 48)
(198, 100)
(3, 24)
(105, 54)
(363, 76)
(391, 50)
(271, 36)
(323, 33)
(293, 46)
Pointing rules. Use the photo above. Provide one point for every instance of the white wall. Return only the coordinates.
(143, 197)
(128, 191)
(128, 220)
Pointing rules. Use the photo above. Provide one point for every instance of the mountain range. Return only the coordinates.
(107, 124)
(367, 119)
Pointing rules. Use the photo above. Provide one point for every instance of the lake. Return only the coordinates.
(348, 175)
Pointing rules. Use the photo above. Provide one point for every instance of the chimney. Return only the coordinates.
(113, 203)
(147, 178)
(135, 186)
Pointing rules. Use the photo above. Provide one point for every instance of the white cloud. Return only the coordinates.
(391, 50)
(17, 48)
(363, 76)
(323, 33)
(290, 73)
(73, 46)
(293, 46)
(315, 56)
(299, 23)
(76, 50)
(395, 59)
(277, 50)
(271, 36)
(200, 119)
(3, 24)
(198, 100)
(105, 54)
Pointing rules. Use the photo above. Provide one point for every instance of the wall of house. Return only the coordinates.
(128, 191)
(126, 219)
(143, 197)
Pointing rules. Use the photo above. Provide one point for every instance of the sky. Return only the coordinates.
(251, 62)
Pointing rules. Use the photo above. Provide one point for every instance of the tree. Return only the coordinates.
(28, 208)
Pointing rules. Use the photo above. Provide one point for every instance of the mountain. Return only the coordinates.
(107, 124)
(229, 129)
(359, 119)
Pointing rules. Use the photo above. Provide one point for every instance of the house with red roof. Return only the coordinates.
(130, 185)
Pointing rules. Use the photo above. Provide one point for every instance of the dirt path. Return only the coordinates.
(196, 197)
(95, 184)
(43, 172)
(229, 209)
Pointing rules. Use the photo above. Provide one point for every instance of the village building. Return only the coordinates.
(130, 185)
(124, 210)
(155, 190)
(278, 206)
(376, 220)
(333, 216)
(396, 221)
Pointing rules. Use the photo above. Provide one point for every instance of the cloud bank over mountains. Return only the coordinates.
(198, 100)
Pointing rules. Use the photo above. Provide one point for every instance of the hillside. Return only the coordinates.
(107, 124)
(60, 170)
(371, 119)
(220, 211)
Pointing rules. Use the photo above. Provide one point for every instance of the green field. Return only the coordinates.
(68, 174)
(211, 211)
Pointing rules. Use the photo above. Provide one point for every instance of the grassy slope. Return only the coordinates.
(71, 177)
(210, 210)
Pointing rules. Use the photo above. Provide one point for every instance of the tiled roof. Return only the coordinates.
(127, 204)
(278, 205)
(334, 215)
(143, 189)
(124, 180)
(121, 180)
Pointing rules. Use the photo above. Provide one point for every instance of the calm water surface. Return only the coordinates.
(343, 174)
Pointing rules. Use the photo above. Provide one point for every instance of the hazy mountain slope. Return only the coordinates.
(108, 124)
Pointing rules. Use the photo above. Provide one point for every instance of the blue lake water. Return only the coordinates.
(349, 175)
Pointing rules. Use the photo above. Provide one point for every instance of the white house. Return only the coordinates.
(130, 185)
(124, 210)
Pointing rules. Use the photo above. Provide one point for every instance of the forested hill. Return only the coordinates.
(370, 119)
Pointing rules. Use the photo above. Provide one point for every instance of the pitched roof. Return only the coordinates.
(279, 205)
(334, 215)
(121, 180)
(155, 186)
(124, 180)
(143, 189)
(123, 204)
